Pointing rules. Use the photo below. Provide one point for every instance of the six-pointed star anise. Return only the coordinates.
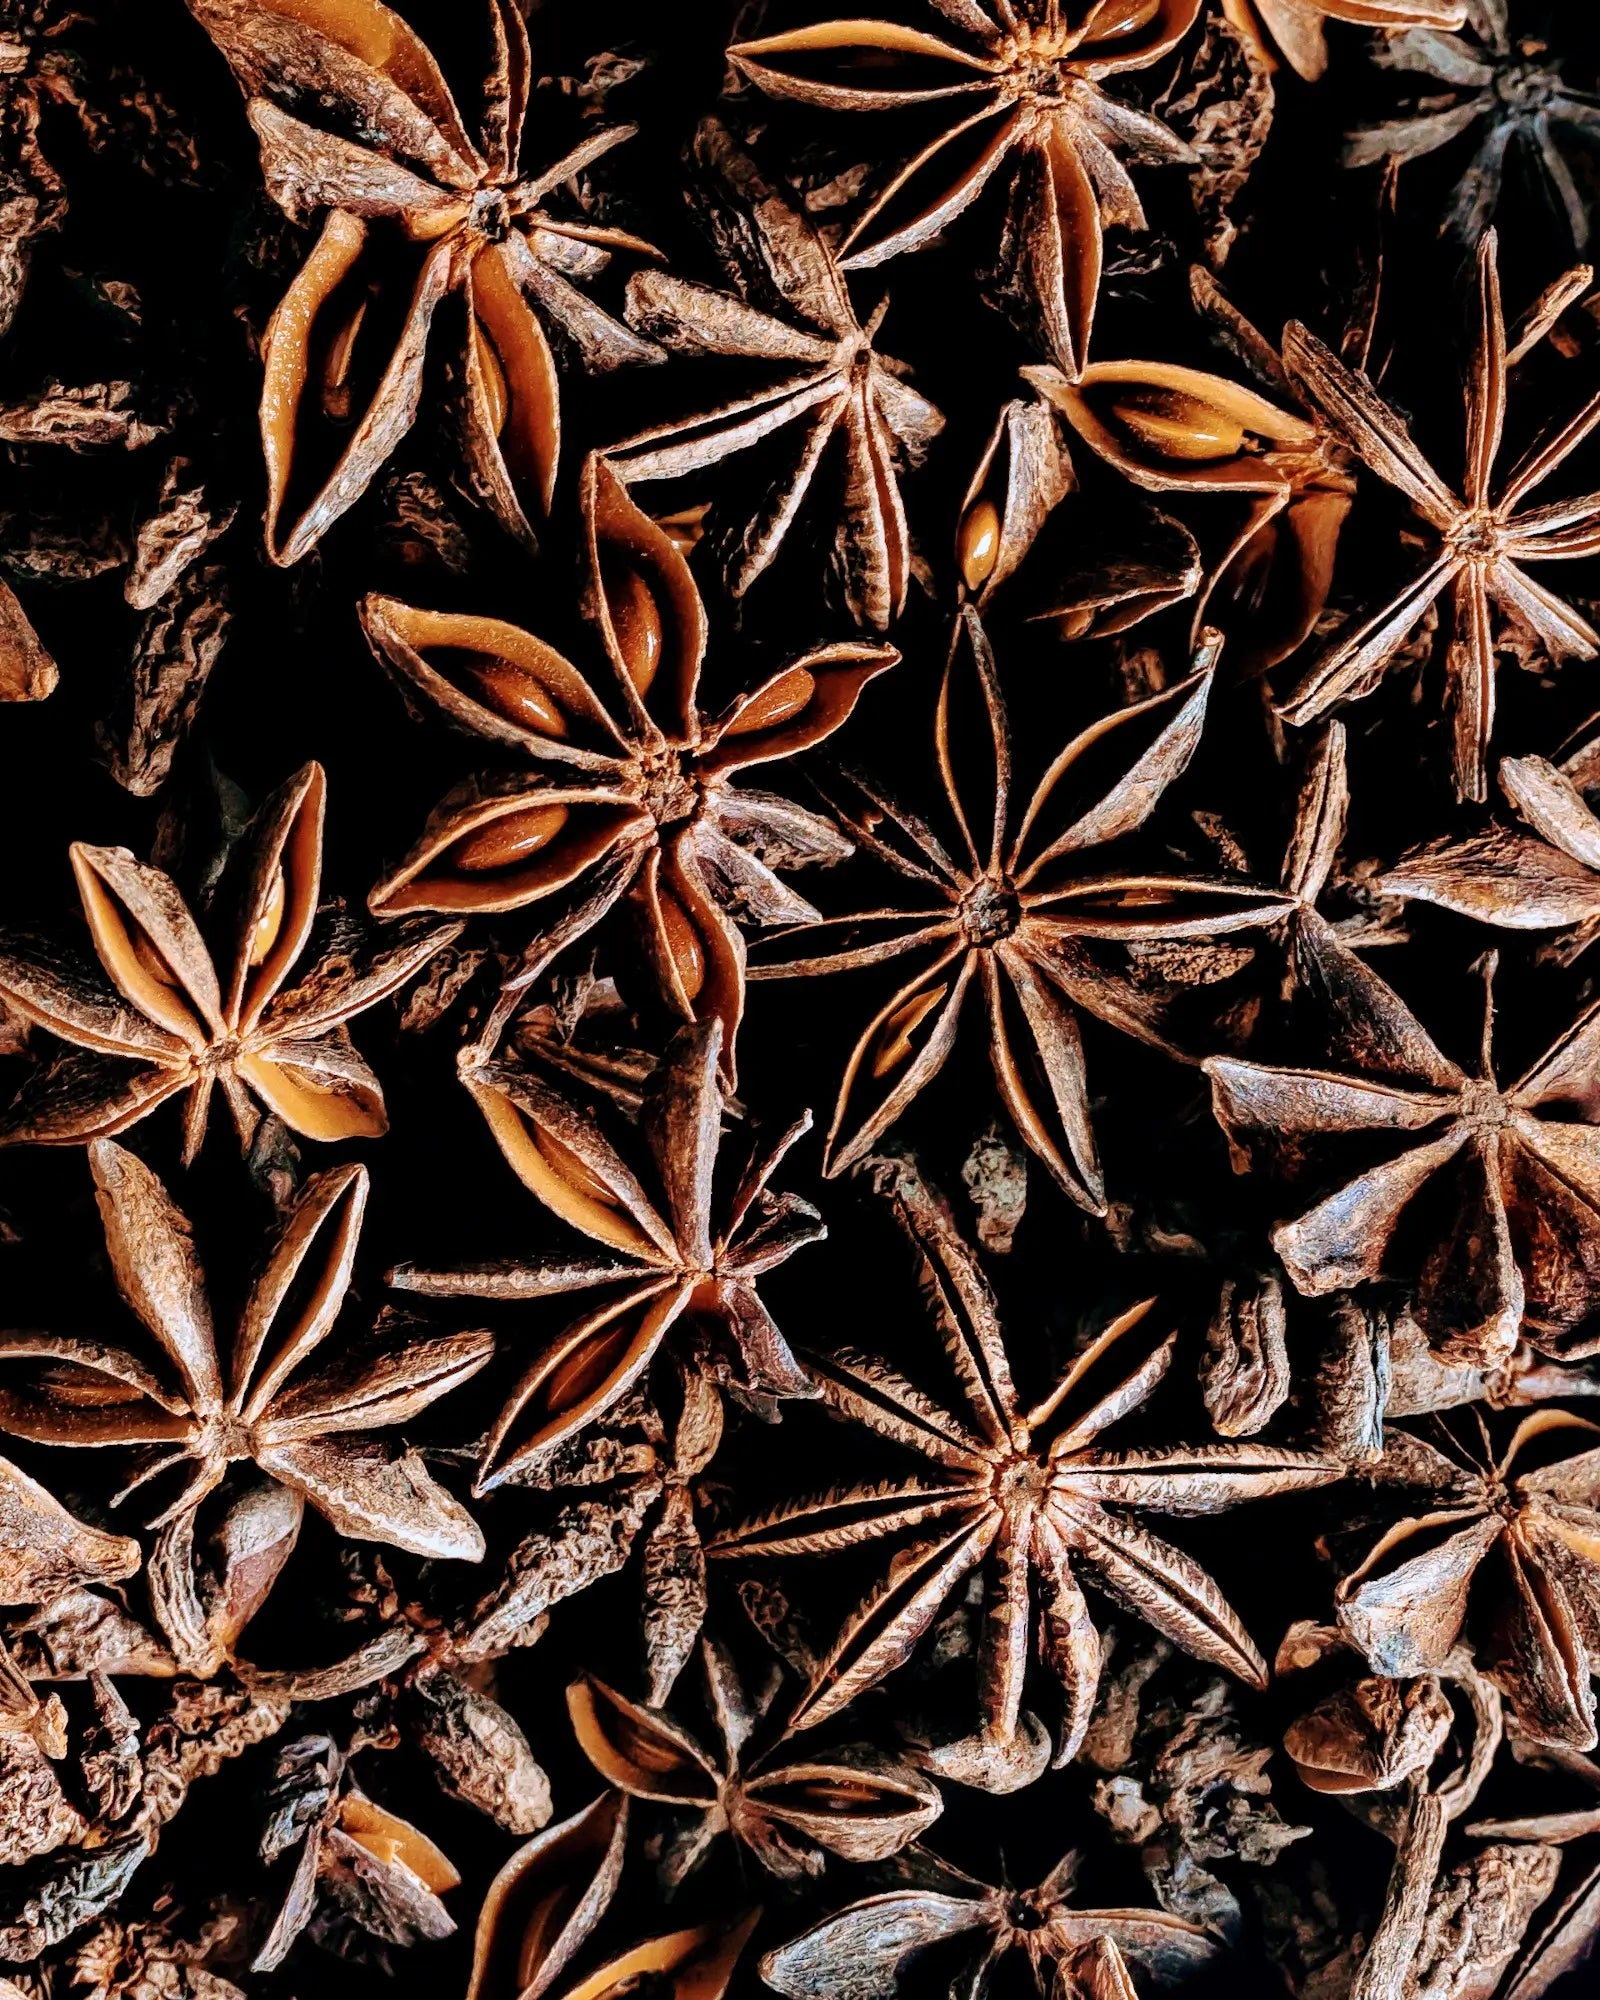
(1295, 29)
(1480, 541)
(346, 351)
(1018, 912)
(1072, 1953)
(647, 805)
(787, 1809)
(792, 312)
(671, 1253)
(309, 1428)
(1507, 1195)
(186, 1019)
(1022, 96)
(1519, 1534)
(1028, 1493)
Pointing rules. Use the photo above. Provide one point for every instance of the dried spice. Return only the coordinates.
(1295, 31)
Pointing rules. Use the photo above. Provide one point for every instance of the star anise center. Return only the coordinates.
(223, 1437)
(1483, 1106)
(490, 214)
(989, 911)
(1526, 87)
(667, 786)
(1475, 535)
(1020, 1476)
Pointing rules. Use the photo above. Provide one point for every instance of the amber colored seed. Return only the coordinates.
(270, 921)
(781, 702)
(565, 1163)
(1126, 18)
(337, 398)
(687, 953)
(894, 1038)
(152, 961)
(495, 393)
(636, 620)
(508, 690)
(583, 1372)
(1074, 624)
(978, 544)
(509, 839)
(80, 1390)
(1178, 426)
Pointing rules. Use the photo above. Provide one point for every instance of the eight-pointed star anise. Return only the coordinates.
(1024, 96)
(181, 1026)
(1027, 1492)
(346, 352)
(1018, 913)
(1480, 540)
(1072, 1953)
(670, 1253)
(1518, 1533)
(1507, 1196)
(792, 312)
(647, 804)
(310, 1429)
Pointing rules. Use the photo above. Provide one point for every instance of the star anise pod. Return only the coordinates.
(1508, 94)
(1017, 914)
(1295, 30)
(45, 1551)
(671, 1254)
(543, 1906)
(1503, 1545)
(1568, 1938)
(345, 353)
(1072, 1953)
(1025, 100)
(792, 311)
(188, 1019)
(1028, 1494)
(1480, 542)
(311, 1430)
(788, 1810)
(648, 805)
(36, 1815)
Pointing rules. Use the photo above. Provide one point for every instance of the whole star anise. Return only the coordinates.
(1480, 541)
(666, 1257)
(345, 353)
(159, 1004)
(793, 312)
(310, 1429)
(1016, 914)
(648, 805)
(1513, 1193)
(1025, 99)
(1027, 1493)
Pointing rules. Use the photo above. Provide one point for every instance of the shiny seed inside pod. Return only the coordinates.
(394, 1840)
(496, 396)
(1176, 425)
(151, 960)
(338, 399)
(687, 953)
(82, 1389)
(782, 701)
(503, 686)
(264, 935)
(511, 838)
(564, 1163)
(978, 543)
(636, 620)
(895, 1045)
(1122, 17)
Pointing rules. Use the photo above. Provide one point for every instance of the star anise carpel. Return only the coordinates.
(1021, 915)
(312, 1429)
(1025, 99)
(167, 1012)
(853, 418)
(416, 213)
(1480, 540)
(1296, 30)
(645, 803)
(678, 1257)
(1028, 1493)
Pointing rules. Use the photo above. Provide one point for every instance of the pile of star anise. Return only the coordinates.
(582, 586)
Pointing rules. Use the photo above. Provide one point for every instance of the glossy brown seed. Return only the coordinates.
(1177, 425)
(780, 701)
(571, 1169)
(895, 1042)
(636, 620)
(270, 922)
(505, 687)
(509, 839)
(496, 396)
(683, 943)
(978, 543)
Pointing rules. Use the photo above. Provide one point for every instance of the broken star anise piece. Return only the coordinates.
(788, 1810)
(792, 312)
(648, 805)
(1072, 1953)
(1025, 101)
(1027, 1493)
(1295, 30)
(1504, 1547)
(167, 1015)
(1509, 1194)
(345, 354)
(1017, 913)
(672, 1255)
(312, 1430)
(1479, 542)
